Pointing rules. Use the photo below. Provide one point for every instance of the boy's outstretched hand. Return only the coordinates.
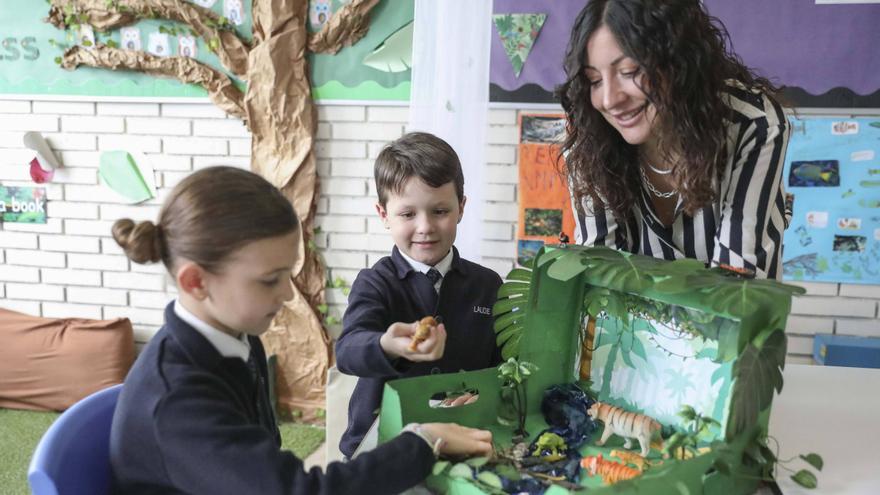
(460, 440)
(397, 339)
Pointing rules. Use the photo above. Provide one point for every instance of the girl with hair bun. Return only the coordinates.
(674, 148)
(194, 414)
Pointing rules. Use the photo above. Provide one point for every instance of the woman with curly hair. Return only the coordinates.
(675, 148)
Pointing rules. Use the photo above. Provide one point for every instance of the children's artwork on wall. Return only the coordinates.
(825, 55)
(544, 203)
(29, 48)
(518, 33)
(832, 172)
(395, 53)
(23, 204)
(44, 163)
(131, 178)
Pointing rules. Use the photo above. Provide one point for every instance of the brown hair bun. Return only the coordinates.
(142, 242)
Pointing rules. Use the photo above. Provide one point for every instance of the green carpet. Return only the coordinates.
(21, 430)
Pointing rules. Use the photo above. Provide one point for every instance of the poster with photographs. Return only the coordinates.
(544, 203)
(833, 170)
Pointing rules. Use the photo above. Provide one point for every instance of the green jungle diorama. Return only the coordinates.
(679, 361)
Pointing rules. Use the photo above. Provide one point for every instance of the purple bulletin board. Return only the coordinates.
(826, 55)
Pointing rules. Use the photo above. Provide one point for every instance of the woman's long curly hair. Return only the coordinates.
(684, 56)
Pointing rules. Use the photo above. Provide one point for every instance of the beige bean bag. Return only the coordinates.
(51, 363)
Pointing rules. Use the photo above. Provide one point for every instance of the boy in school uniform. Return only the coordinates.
(420, 186)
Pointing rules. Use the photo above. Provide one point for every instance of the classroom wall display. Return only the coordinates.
(544, 202)
(22, 204)
(825, 54)
(833, 170)
(29, 48)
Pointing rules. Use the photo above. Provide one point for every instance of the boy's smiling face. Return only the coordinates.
(423, 219)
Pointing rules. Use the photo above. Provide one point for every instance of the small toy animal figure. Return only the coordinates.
(629, 458)
(611, 471)
(422, 332)
(626, 424)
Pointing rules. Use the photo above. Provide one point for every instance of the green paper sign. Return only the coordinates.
(518, 33)
(119, 172)
(23, 204)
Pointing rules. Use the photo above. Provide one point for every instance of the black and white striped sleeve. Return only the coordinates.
(749, 234)
(596, 225)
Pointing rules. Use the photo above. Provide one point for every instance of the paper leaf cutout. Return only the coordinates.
(518, 33)
(119, 172)
(394, 54)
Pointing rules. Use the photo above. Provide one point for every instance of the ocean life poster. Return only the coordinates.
(833, 170)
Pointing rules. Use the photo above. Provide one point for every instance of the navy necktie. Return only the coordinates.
(434, 276)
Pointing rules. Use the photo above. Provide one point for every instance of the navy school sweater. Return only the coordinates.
(392, 291)
(191, 421)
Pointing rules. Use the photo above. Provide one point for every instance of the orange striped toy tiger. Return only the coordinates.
(611, 471)
(628, 457)
(627, 424)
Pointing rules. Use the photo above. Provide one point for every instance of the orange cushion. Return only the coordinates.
(51, 363)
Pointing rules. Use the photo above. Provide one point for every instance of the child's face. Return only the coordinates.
(252, 285)
(423, 219)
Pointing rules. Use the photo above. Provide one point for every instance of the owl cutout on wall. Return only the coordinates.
(131, 38)
(186, 46)
(319, 13)
(158, 44)
(205, 3)
(86, 37)
(233, 10)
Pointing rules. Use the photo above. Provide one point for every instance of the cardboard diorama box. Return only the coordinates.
(649, 336)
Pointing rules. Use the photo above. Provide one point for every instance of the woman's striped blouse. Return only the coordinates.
(744, 226)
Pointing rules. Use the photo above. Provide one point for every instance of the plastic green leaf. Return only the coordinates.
(461, 470)
(507, 319)
(687, 413)
(509, 288)
(758, 372)
(490, 479)
(439, 467)
(567, 267)
(508, 333)
(520, 274)
(394, 54)
(722, 466)
(506, 305)
(477, 461)
(547, 257)
(805, 478)
(814, 460)
(511, 347)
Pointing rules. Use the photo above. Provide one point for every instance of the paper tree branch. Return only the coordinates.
(105, 15)
(220, 88)
(348, 25)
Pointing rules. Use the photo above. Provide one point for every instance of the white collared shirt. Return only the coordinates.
(227, 345)
(442, 266)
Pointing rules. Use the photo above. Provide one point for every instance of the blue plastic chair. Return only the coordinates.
(73, 457)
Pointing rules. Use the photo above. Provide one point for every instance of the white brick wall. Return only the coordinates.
(72, 267)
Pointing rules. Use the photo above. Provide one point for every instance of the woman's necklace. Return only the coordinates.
(654, 190)
(657, 170)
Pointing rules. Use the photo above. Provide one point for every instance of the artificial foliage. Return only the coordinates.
(727, 328)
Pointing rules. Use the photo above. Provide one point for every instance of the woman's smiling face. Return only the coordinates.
(616, 83)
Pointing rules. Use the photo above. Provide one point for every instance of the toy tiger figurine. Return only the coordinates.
(626, 424)
(629, 458)
(611, 471)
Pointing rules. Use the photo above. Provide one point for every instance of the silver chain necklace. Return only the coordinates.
(657, 170)
(654, 190)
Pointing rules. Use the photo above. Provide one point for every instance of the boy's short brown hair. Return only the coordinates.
(417, 154)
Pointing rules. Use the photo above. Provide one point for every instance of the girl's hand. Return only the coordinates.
(460, 440)
(397, 339)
